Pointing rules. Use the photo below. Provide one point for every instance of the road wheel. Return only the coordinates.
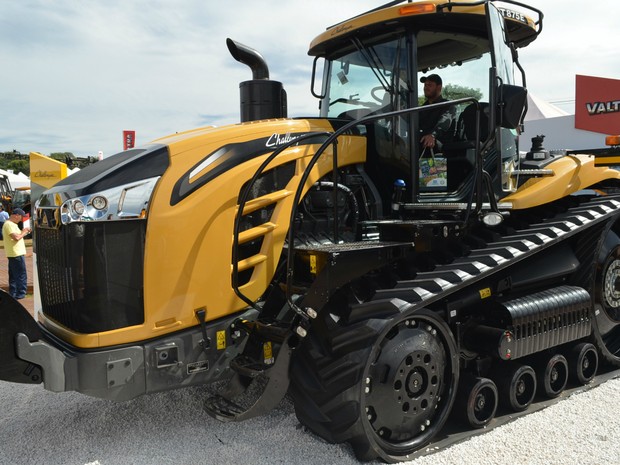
(582, 363)
(476, 402)
(552, 375)
(606, 321)
(385, 385)
(516, 385)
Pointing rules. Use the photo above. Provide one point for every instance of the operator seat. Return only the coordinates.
(460, 152)
(466, 125)
(388, 154)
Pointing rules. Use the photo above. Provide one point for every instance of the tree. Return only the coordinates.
(20, 166)
(62, 156)
(455, 91)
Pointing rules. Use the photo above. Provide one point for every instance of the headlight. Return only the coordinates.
(99, 202)
(129, 201)
(78, 207)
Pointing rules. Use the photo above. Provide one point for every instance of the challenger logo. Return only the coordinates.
(277, 140)
(41, 174)
(341, 29)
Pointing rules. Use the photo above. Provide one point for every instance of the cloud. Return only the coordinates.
(83, 72)
(75, 74)
(576, 39)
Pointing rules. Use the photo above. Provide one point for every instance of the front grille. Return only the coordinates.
(91, 274)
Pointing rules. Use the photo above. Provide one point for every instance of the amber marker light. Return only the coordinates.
(612, 141)
(417, 9)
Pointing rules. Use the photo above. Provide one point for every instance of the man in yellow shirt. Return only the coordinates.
(15, 249)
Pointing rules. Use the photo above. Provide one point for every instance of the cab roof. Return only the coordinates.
(468, 16)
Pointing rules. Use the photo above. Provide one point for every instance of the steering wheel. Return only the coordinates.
(373, 93)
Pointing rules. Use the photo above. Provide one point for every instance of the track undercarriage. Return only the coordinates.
(525, 313)
(403, 340)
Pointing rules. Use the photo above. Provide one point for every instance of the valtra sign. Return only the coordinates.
(597, 104)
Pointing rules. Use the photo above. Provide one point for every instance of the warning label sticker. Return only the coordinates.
(221, 340)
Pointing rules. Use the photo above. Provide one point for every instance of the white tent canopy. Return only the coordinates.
(539, 109)
(16, 180)
(557, 126)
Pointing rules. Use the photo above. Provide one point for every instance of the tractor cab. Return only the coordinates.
(377, 64)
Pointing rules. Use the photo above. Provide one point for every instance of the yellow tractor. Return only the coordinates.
(389, 282)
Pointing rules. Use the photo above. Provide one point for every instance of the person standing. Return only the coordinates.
(3, 217)
(15, 249)
(436, 124)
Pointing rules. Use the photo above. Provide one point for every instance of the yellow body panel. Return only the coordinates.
(570, 174)
(188, 251)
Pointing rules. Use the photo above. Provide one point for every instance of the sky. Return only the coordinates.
(75, 74)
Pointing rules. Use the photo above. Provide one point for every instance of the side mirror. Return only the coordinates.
(512, 105)
(318, 71)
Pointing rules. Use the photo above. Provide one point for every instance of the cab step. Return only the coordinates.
(254, 389)
(247, 366)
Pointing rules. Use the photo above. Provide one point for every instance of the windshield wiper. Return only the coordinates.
(372, 63)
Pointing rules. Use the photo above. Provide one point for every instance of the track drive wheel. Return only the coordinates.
(517, 386)
(476, 402)
(606, 321)
(385, 385)
(582, 363)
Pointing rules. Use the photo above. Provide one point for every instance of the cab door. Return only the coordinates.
(502, 75)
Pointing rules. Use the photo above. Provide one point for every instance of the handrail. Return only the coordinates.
(332, 139)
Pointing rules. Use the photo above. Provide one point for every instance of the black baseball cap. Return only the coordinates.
(19, 211)
(433, 78)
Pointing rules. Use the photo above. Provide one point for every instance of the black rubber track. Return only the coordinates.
(597, 250)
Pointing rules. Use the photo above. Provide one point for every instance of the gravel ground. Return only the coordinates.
(40, 427)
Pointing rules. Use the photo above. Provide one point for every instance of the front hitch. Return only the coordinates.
(15, 319)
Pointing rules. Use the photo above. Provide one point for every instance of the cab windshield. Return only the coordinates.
(369, 79)
(385, 76)
(380, 77)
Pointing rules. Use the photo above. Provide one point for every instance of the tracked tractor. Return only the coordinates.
(389, 289)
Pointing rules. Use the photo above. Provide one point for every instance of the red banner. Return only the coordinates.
(129, 139)
(597, 104)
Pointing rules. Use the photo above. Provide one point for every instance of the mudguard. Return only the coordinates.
(15, 319)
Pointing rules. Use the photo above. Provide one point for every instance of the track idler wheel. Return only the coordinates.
(476, 401)
(582, 363)
(552, 375)
(516, 385)
(606, 311)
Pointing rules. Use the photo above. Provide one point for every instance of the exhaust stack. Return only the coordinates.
(261, 98)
